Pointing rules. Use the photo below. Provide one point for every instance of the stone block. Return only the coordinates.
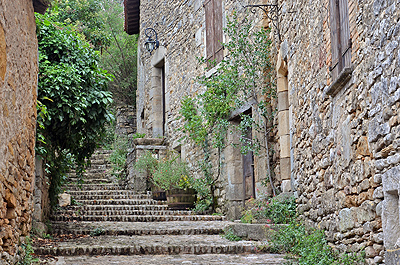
(64, 199)
(286, 186)
(283, 123)
(347, 219)
(283, 101)
(284, 142)
(254, 231)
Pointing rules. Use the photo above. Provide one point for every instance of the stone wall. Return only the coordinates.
(18, 84)
(180, 26)
(345, 147)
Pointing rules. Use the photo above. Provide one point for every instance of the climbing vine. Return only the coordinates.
(74, 100)
(242, 81)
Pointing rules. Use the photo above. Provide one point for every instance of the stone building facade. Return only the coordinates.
(343, 61)
(337, 139)
(18, 89)
(168, 74)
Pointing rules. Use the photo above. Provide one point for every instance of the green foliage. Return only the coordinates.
(27, 253)
(239, 79)
(309, 247)
(138, 135)
(118, 156)
(269, 210)
(167, 173)
(97, 232)
(228, 234)
(242, 78)
(84, 15)
(120, 56)
(73, 89)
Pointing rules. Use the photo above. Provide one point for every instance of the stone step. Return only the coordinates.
(93, 181)
(138, 218)
(120, 202)
(214, 259)
(107, 197)
(141, 228)
(109, 193)
(148, 245)
(158, 207)
(121, 212)
(87, 187)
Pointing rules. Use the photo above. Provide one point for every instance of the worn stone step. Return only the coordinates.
(121, 212)
(73, 187)
(156, 207)
(119, 202)
(209, 259)
(108, 197)
(148, 245)
(108, 192)
(138, 218)
(141, 228)
(93, 181)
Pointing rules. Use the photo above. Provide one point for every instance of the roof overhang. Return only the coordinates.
(132, 16)
(40, 6)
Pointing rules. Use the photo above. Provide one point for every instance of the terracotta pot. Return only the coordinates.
(181, 199)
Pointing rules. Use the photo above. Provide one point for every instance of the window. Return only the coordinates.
(214, 33)
(340, 44)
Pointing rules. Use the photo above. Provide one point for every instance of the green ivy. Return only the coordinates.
(73, 90)
(243, 77)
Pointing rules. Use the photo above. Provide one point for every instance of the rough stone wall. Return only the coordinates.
(180, 26)
(18, 84)
(125, 120)
(343, 147)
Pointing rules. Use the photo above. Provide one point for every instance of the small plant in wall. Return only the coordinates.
(242, 81)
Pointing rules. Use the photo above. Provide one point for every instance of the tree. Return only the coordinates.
(73, 88)
(120, 56)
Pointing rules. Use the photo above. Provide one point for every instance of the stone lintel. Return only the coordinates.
(151, 147)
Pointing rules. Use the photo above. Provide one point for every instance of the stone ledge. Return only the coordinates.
(340, 81)
(255, 231)
(148, 141)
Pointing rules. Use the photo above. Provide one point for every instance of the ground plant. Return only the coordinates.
(307, 246)
(241, 79)
(271, 210)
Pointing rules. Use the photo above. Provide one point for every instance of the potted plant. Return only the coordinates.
(172, 175)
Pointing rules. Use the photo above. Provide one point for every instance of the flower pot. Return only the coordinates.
(159, 195)
(179, 199)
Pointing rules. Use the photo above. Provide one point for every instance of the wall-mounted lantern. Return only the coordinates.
(152, 42)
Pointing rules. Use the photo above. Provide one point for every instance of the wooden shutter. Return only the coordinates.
(218, 31)
(209, 10)
(345, 41)
(335, 31)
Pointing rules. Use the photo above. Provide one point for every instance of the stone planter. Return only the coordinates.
(181, 199)
(148, 141)
(159, 195)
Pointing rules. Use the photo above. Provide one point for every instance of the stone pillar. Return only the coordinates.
(136, 180)
(283, 123)
(40, 198)
(234, 171)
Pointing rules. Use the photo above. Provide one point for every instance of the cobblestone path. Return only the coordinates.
(111, 225)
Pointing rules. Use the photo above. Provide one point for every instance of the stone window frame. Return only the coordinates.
(213, 10)
(341, 45)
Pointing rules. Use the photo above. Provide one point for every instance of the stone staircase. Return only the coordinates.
(107, 219)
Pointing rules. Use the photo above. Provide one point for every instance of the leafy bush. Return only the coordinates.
(73, 89)
(309, 247)
(119, 154)
(228, 234)
(27, 253)
(271, 211)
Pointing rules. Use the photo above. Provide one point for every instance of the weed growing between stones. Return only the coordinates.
(306, 246)
(273, 210)
(26, 251)
(230, 235)
(97, 232)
